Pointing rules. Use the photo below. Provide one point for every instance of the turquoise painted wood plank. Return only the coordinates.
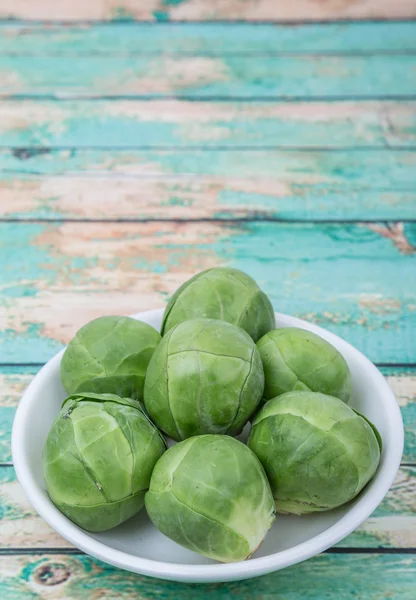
(191, 10)
(373, 577)
(14, 380)
(211, 77)
(206, 38)
(393, 524)
(131, 198)
(132, 184)
(357, 280)
(179, 124)
(403, 384)
(80, 197)
(385, 167)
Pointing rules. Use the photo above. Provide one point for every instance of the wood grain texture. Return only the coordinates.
(182, 184)
(318, 197)
(179, 124)
(286, 77)
(353, 279)
(14, 380)
(193, 10)
(205, 39)
(372, 577)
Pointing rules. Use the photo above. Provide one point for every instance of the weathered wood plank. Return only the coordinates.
(354, 279)
(372, 577)
(393, 524)
(175, 123)
(131, 198)
(404, 386)
(193, 10)
(94, 197)
(288, 77)
(206, 38)
(20, 525)
(14, 380)
(339, 166)
(301, 185)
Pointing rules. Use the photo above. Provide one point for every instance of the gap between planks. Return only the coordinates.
(76, 551)
(126, 21)
(228, 219)
(210, 99)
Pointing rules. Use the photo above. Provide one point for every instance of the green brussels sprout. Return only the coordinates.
(296, 359)
(98, 459)
(211, 495)
(205, 376)
(109, 355)
(318, 452)
(221, 293)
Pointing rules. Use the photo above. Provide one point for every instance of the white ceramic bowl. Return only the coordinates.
(137, 546)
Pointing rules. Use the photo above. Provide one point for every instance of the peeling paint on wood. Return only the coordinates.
(182, 184)
(292, 192)
(348, 278)
(372, 577)
(176, 124)
(331, 77)
(13, 383)
(311, 160)
(194, 10)
(137, 198)
(206, 39)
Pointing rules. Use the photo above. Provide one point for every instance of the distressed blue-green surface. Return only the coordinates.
(302, 185)
(13, 381)
(206, 38)
(374, 170)
(211, 77)
(373, 577)
(179, 124)
(6, 422)
(348, 278)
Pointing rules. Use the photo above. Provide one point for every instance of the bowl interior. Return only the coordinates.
(138, 537)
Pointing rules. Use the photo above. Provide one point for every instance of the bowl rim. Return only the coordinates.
(220, 572)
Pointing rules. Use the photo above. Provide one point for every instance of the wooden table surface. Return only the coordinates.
(144, 140)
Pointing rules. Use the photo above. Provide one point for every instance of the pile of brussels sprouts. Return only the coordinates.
(220, 364)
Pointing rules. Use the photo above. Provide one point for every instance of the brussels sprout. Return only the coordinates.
(317, 451)
(221, 293)
(211, 495)
(296, 359)
(98, 459)
(109, 355)
(204, 377)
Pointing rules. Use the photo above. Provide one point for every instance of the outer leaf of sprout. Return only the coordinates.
(221, 293)
(211, 495)
(296, 359)
(109, 355)
(205, 377)
(318, 452)
(98, 459)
